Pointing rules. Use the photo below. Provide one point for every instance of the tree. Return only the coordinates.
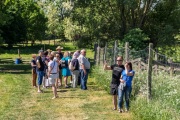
(136, 38)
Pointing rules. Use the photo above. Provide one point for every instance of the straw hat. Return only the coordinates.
(48, 50)
(59, 48)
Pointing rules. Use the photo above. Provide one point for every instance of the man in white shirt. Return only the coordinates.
(84, 69)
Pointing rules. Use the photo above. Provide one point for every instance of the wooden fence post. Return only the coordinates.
(115, 47)
(156, 66)
(98, 55)
(139, 65)
(126, 51)
(18, 53)
(171, 68)
(104, 54)
(149, 79)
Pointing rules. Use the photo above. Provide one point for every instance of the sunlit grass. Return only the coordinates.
(165, 103)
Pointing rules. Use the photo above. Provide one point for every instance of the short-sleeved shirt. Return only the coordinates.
(116, 73)
(34, 63)
(83, 60)
(75, 63)
(60, 55)
(128, 79)
(44, 59)
(41, 64)
(54, 66)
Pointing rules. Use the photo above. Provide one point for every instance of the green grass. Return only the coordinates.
(19, 100)
(165, 103)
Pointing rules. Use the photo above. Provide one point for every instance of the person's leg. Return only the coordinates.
(86, 78)
(82, 80)
(33, 78)
(54, 91)
(127, 97)
(115, 101)
(73, 79)
(65, 80)
(76, 78)
(40, 77)
(60, 77)
(56, 81)
(120, 99)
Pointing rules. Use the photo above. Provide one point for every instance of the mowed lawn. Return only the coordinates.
(20, 101)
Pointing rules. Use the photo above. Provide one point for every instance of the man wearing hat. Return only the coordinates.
(40, 69)
(59, 48)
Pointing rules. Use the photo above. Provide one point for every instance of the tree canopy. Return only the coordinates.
(90, 21)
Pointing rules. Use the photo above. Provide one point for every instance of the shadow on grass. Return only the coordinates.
(15, 69)
(36, 48)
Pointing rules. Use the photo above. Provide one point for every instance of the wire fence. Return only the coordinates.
(147, 60)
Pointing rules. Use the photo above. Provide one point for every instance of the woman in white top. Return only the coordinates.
(53, 69)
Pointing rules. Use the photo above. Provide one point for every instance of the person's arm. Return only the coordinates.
(32, 64)
(38, 63)
(49, 69)
(121, 80)
(127, 72)
(106, 67)
(82, 65)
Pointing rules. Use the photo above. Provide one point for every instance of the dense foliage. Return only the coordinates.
(90, 21)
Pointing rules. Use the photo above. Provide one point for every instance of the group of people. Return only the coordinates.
(121, 84)
(49, 66)
(52, 65)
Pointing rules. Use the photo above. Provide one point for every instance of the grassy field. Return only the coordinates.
(20, 101)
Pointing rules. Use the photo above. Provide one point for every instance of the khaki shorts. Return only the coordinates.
(52, 79)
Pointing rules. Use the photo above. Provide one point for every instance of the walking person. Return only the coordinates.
(84, 69)
(53, 69)
(125, 86)
(116, 74)
(34, 74)
(40, 69)
(75, 71)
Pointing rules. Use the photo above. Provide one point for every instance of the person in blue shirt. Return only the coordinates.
(125, 86)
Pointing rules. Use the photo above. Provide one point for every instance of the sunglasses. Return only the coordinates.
(119, 60)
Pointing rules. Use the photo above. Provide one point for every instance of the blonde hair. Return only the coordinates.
(66, 54)
(53, 53)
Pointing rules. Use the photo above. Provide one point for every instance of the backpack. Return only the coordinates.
(71, 67)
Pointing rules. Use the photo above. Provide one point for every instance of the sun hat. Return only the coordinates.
(48, 50)
(59, 48)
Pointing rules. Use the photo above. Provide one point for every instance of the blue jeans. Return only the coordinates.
(40, 77)
(84, 79)
(127, 92)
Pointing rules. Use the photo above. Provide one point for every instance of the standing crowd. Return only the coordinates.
(50, 66)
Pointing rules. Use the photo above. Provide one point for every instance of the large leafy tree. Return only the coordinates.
(112, 19)
(25, 21)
